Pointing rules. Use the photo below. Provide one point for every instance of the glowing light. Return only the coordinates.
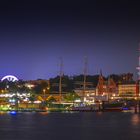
(135, 120)
(26, 99)
(10, 78)
(12, 100)
(114, 95)
(13, 112)
(37, 102)
(78, 100)
(125, 108)
(46, 109)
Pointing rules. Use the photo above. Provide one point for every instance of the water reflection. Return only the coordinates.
(99, 113)
(70, 126)
(2, 113)
(135, 119)
(44, 113)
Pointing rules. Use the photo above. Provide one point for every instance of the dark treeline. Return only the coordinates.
(69, 83)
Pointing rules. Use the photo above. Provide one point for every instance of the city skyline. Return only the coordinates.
(35, 35)
(69, 69)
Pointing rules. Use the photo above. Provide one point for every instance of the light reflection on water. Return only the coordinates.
(70, 126)
(2, 113)
(44, 113)
(135, 119)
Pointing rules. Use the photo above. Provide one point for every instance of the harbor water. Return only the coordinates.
(70, 126)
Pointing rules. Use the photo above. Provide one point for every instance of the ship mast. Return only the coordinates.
(85, 76)
(60, 80)
(138, 68)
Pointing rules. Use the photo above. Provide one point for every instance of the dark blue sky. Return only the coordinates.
(34, 35)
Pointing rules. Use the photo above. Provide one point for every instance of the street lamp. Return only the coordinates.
(44, 91)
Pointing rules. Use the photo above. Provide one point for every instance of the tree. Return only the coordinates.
(71, 97)
(51, 99)
(38, 89)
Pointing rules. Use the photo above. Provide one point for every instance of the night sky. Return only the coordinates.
(34, 35)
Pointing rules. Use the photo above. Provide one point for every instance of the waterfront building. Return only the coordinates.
(128, 90)
(106, 88)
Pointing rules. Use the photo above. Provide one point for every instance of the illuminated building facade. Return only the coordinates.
(127, 90)
(106, 88)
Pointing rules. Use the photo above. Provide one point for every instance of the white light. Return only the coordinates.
(37, 102)
(12, 100)
(6, 95)
(114, 95)
(78, 100)
(10, 78)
